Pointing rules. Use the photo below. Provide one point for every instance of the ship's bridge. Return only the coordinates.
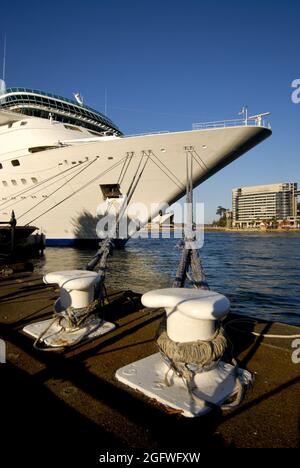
(46, 105)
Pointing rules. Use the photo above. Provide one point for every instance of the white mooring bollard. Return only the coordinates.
(76, 287)
(77, 291)
(191, 315)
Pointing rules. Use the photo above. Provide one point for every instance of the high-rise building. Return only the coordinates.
(252, 206)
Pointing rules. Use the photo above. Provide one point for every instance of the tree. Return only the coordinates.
(222, 222)
(221, 211)
(274, 222)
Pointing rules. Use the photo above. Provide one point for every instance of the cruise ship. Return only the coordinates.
(63, 164)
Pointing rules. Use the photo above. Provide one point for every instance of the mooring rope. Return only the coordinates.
(200, 353)
(63, 347)
(75, 318)
(233, 322)
(188, 359)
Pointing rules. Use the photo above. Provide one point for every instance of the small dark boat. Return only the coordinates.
(18, 239)
(20, 235)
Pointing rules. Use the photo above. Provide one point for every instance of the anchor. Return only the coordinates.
(189, 373)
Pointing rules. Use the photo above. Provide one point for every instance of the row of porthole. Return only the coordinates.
(73, 162)
(23, 181)
(23, 198)
(14, 162)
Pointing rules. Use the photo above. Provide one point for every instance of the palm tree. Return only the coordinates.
(221, 211)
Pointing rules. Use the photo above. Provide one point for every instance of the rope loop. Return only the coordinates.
(197, 355)
(186, 360)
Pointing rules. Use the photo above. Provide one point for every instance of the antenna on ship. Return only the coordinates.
(105, 102)
(4, 59)
(2, 82)
(78, 98)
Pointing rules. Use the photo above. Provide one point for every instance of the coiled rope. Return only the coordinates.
(186, 360)
(195, 353)
(72, 319)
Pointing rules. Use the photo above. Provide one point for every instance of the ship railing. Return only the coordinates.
(28, 91)
(256, 120)
(61, 112)
(148, 133)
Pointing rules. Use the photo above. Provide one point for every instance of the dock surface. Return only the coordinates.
(74, 400)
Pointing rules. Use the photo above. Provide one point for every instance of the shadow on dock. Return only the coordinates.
(73, 400)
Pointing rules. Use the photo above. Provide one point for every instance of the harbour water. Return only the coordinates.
(259, 272)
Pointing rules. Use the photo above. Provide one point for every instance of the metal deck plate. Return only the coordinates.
(148, 377)
(56, 336)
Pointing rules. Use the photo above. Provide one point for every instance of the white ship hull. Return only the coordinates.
(58, 190)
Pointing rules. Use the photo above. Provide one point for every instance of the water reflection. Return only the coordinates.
(260, 273)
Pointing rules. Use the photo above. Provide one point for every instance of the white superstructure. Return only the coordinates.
(60, 159)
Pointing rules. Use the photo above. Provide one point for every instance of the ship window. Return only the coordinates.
(4, 183)
(111, 191)
(34, 180)
(14, 182)
(15, 162)
(1, 167)
(24, 181)
(37, 149)
(23, 123)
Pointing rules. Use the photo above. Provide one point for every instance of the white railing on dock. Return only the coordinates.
(255, 120)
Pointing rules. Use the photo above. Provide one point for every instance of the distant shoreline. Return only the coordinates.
(262, 231)
(156, 228)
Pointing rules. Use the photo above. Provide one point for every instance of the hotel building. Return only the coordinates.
(265, 204)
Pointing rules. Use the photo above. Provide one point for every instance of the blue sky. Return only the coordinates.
(167, 64)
